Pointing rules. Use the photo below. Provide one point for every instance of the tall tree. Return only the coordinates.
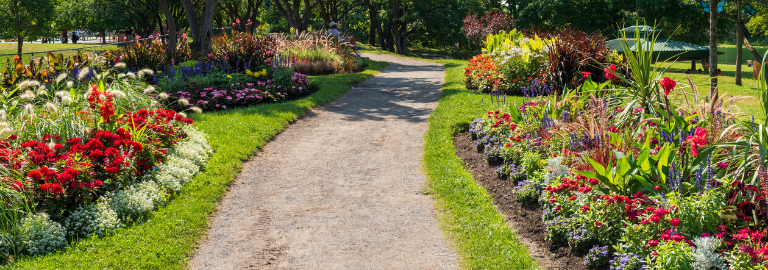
(25, 19)
(297, 12)
(201, 29)
(336, 10)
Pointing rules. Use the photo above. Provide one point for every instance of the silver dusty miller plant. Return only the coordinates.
(704, 257)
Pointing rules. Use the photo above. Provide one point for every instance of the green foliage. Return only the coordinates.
(150, 54)
(28, 19)
(673, 256)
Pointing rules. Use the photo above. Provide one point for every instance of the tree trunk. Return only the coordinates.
(372, 12)
(64, 36)
(201, 31)
(171, 45)
(712, 47)
(20, 44)
(739, 43)
(396, 27)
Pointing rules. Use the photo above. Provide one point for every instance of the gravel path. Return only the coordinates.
(341, 188)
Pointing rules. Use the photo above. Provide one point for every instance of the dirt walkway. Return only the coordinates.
(341, 188)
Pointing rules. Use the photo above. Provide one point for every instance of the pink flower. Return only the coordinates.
(722, 165)
(653, 243)
(705, 235)
(586, 74)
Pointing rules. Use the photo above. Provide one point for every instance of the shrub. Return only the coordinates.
(137, 201)
(705, 256)
(627, 262)
(38, 235)
(149, 54)
(241, 50)
(477, 28)
(572, 52)
(597, 257)
(93, 219)
(317, 54)
(527, 192)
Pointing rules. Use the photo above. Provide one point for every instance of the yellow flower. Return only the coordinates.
(248, 72)
(264, 72)
(256, 75)
(229, 76)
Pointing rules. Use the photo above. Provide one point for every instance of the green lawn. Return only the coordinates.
(727, 86)
(10, 48)
(168, 237)
(483, 238)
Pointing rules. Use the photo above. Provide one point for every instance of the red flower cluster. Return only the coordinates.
(62, 173)
(482, 68)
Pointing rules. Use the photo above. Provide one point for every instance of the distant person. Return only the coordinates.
(75, 37)
(334, 31)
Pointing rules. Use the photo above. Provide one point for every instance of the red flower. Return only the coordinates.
(35, 175)
(675, 222)
(18, 186)
(599, 224)
(586, 74)
(655, 219)
(657, 188)
(609, 74)
(65, 178)
(668, 84)
(572, 198)
(56, 188)
(585, 208)
(653, 243)
(697, 140)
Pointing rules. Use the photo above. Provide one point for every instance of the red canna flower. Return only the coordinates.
(610, 73)
(668, 84)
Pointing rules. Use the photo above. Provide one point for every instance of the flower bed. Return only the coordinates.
(634, 171)
(632, 193)
(83, 158)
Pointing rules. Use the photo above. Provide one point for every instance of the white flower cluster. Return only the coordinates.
(138, 200)
(94, 219)
(39, 235)
(186, 160)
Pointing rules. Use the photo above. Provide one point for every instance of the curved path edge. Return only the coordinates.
(341, 188)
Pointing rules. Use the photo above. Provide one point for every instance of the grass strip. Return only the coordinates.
(483, 238)
(167, 239)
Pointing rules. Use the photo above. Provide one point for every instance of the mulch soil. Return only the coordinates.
(525, 220)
